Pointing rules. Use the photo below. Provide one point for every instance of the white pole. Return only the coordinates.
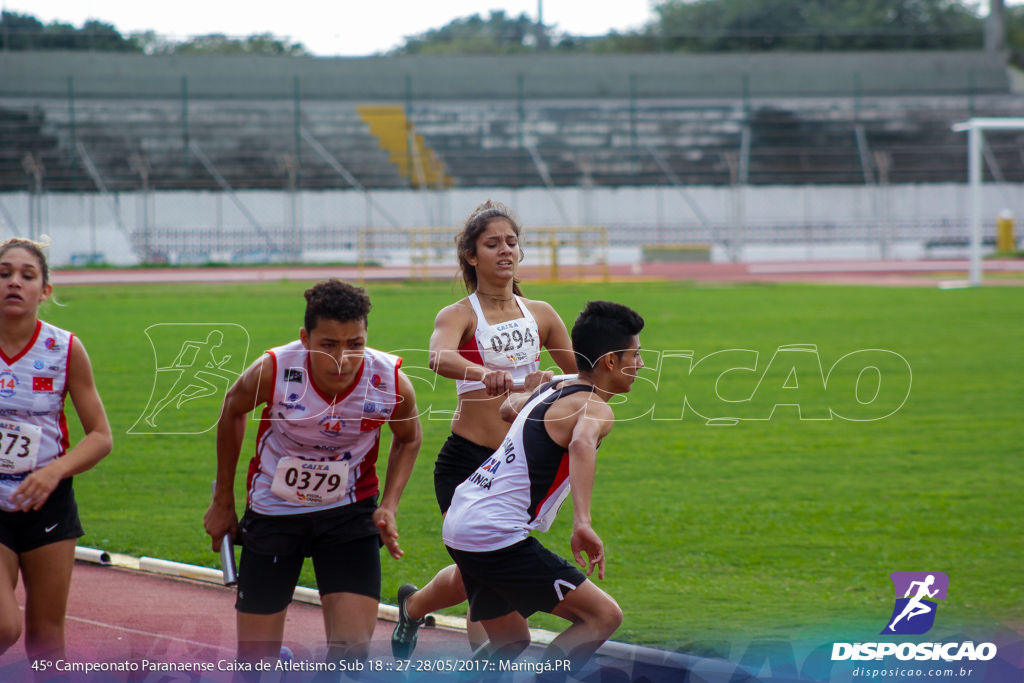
(974, 172)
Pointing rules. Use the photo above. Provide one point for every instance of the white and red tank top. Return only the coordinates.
(327, 449)
(513, 345)
(33, 384)
(519, 488)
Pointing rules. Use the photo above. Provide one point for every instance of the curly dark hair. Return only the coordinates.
(465, 241)
(336, 300)
(603, 327)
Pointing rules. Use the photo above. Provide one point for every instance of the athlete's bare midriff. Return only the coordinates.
(478, 419)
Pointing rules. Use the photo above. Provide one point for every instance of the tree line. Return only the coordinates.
(24, 32)
(678, 26)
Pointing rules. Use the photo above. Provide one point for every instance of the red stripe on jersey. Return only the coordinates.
(398, 399)
(31, 343)
(65, 441)
(62, 421)
(265, 424)
(471, 351)
(67, 363)
(367, 484)
(560, 476)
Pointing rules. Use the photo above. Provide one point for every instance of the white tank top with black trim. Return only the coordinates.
(513, 346)
(33, 386)
(519, 489)
(313, 453)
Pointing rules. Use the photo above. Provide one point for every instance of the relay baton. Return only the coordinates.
(519, 383)
(227, 556)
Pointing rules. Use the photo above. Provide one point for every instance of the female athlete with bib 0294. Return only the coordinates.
(39, 366)
(312, 486)
(485, 342)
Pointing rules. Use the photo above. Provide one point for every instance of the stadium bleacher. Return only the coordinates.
(139, 120)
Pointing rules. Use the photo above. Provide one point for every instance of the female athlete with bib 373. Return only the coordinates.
(485, 342)
(39, 366)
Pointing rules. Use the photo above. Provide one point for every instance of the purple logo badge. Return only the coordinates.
(916, 593)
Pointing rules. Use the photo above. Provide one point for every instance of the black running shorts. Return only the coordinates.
(459, 458)
(343, 542)
(56, 521)
(525, 577)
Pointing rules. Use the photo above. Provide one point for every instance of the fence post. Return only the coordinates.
(298, 125)
(74, 135)
(408, 127)
(632, 124)
(521, 109)
(186, 142)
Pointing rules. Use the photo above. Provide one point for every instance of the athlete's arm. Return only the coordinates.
(406, 437)
(554, 336)
(38, 486)
(451, 324)
(509, 410)
(592, 425)
(249, 390)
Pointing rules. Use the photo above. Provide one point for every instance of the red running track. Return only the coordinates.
(122, 615)
(886, 273)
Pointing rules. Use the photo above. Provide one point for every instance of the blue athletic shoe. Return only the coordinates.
(403, 639)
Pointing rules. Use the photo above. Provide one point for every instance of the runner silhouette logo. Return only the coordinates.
(916, 593)
(195, 363)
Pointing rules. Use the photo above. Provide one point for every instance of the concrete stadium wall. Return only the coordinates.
(108, 75)
(768, 216)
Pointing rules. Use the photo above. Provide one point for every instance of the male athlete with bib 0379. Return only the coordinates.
(552, 443)
(312, 485)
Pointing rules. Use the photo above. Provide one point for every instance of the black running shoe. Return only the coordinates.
(403, 639)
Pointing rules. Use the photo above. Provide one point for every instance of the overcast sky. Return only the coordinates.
(326, 27)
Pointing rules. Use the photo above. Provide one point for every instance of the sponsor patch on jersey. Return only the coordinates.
(52, 345)
(292, 375)
(8, 411)
(42, 384)
(8, 383)
(331, 425)
(368, 424)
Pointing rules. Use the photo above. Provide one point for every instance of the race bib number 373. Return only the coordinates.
(19, 447)
(308, 482)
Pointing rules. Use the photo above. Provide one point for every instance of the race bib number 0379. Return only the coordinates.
(19, 447)
(308, 482)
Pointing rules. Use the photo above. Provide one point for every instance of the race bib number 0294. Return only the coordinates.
(19, 447)
(309, 482)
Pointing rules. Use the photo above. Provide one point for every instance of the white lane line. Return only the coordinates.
(159, 636)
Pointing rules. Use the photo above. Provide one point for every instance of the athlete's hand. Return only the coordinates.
(535, 379)
(388, 529)
(498, 382)
(219, 521)
(585, 540)
(36, 489)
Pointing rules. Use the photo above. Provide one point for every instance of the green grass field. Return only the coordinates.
(781, 526)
